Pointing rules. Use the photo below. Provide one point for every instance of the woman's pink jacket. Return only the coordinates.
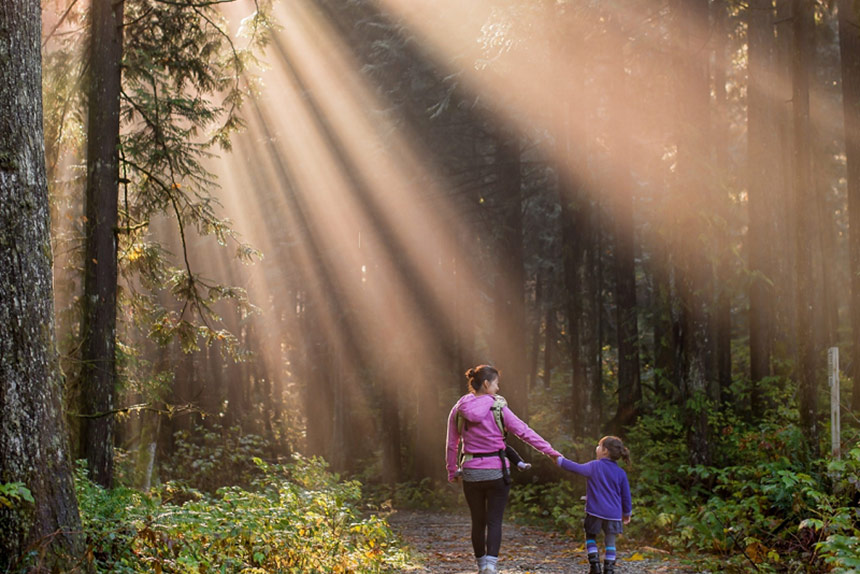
(480, 433)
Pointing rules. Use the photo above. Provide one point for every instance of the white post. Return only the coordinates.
(833, 375)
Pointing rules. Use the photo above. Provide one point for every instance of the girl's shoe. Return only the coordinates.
(594, 564)
(609, 567)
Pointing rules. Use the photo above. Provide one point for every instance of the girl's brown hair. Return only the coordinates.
(616, 448)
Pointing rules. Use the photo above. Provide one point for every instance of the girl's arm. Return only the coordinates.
(453, 440)
(527, 435)
(583, 469)
(626, 501)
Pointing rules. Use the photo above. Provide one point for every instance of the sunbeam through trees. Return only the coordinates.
(281, 232)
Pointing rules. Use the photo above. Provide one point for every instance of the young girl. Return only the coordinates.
(607, 499)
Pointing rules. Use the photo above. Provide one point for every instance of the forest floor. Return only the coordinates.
(440, 543)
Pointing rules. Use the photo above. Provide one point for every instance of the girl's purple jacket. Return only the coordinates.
(607, 492)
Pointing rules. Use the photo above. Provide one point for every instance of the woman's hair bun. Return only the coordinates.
(477, 375)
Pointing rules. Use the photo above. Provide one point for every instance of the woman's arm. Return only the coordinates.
(453, 440)
(527, 435)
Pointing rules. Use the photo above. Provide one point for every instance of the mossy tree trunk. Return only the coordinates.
(33, 448)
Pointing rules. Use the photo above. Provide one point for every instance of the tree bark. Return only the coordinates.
(509, 349)
(549, 343)
(33, 447)
(595, 336)
(571, 167)
(534, 357)
(785, 345)
(803, 24)
(694, 282)
(627, 330)
(98, 326)
(572, 256)
(760, 185)
(849, 48)
(723, 169)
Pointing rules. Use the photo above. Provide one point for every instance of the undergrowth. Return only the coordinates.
(761, 506)
(296, 518)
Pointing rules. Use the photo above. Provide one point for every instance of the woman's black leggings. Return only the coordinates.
(487, 500)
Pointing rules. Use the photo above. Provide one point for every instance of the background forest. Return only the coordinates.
(284, 231)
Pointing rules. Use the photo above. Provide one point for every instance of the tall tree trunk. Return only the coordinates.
(33, 441)
(315, 363)
(98, 327)
(803, 25)
(694, 283)
(150, 425)
(824, 244)
(849, 48)
(549, 342)
(572, 257)
(536, 329)
(760, 186)
(464, 301)
(571, 175)
(595, 336)
(390, 431)
(785, 345)
(509, 348)
(627, 330)
(663, 319)
(723, 169)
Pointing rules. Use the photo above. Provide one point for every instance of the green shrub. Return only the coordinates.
(14, 493)
(207, 459)
(297, 518)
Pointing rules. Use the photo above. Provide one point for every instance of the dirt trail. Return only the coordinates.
(441, 544)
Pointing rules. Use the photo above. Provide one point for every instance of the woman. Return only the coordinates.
(484, 471)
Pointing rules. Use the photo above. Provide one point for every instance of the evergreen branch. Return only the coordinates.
(192, 291)
(169, 410)
(131, 23)
(58, 24)
(236, 58)
(205, 4)
(128, 229)
(193, 298)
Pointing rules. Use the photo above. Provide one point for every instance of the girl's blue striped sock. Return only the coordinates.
(610, 553)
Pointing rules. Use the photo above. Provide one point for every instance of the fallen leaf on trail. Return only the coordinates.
(636, 557)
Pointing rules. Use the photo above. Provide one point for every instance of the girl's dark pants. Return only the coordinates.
(487, 500)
